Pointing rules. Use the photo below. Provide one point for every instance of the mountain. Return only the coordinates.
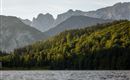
(116, 12)
(26, 21)
(74, 22)
(100, 47)
(14, 33)
(43, 22)
(64, 16)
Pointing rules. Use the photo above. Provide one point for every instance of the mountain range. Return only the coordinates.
(115, 12)
(16, 32)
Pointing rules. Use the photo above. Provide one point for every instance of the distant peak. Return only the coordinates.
(78, 11)
(43, 15)
(120, 3)
(33, 19)
(47, 14)
(70, 10)
(39, 15)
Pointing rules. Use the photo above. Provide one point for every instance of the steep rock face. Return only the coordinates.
(75, 22)
(14, 33)
(116, 12)
(43, 22)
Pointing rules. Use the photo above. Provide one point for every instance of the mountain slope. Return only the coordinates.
(15, 34)
(116, 12)
(64, 16)
(74, 22)
(26, 21)
(100, 47)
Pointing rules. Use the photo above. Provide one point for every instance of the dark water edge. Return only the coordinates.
(64, 75)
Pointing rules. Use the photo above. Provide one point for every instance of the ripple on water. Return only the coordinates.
(65, 75)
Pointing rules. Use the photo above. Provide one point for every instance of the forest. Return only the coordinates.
(100, 47)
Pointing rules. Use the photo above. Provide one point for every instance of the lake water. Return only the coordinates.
(65, 75)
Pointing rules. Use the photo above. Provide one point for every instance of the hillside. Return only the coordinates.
(100, 47)
(15, 34)
(75, 22)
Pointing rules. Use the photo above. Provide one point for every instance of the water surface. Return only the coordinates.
(65, 75)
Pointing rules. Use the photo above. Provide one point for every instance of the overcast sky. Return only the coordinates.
(31, 8)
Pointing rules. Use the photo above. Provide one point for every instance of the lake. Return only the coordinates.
(65, 75)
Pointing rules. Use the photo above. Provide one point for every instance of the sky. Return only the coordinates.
(27, 9)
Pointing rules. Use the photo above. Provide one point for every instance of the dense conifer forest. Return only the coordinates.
(100, 47)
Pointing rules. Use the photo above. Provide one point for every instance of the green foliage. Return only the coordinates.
(104, 46)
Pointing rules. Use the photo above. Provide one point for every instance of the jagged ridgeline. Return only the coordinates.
(104, 46)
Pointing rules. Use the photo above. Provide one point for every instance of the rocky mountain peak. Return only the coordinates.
(70, 11)
(43, 22)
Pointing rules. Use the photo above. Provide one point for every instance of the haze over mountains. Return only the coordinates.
(75, 22)
(17, 32)
(115, 12)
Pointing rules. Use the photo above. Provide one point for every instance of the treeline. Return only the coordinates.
(104, 46)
